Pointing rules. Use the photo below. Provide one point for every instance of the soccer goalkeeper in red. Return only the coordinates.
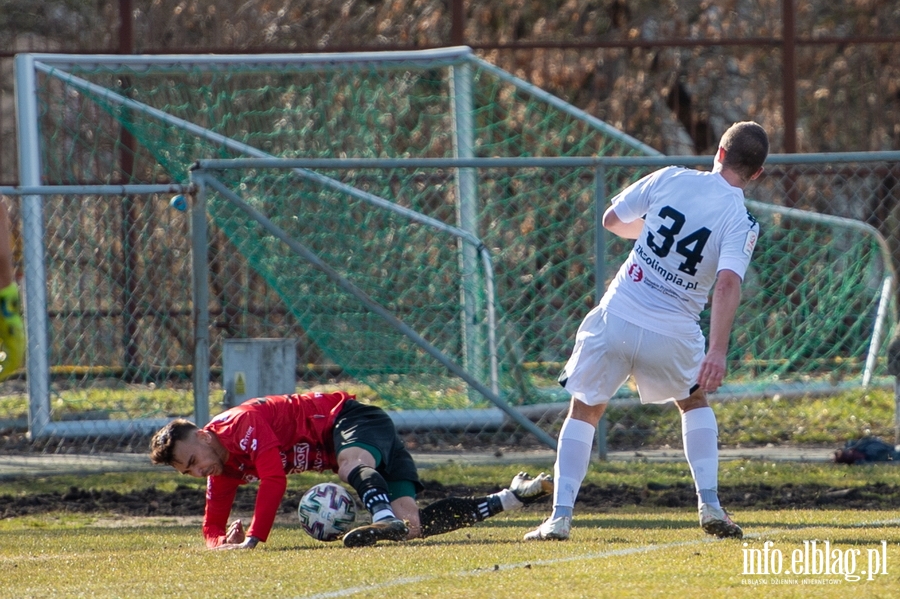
(267, 438)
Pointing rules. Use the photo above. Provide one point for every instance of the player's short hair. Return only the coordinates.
(162, 445)
(746, 146)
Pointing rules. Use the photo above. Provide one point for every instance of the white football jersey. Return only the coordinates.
(695, 225)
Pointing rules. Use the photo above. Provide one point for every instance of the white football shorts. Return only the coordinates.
(609, 349)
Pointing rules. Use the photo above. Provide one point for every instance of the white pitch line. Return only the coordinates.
(350, 591)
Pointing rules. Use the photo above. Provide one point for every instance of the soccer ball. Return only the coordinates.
(326, 511)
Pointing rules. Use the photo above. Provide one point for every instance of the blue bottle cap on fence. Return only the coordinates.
(178, 203)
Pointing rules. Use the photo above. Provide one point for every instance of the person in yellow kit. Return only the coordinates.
(12, 329)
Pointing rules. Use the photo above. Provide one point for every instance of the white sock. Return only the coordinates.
(700, 435)
(383, 515)
(573, 455)
(508, 500)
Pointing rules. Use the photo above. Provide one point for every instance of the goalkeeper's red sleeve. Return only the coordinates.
(272, 483)
(220, 493)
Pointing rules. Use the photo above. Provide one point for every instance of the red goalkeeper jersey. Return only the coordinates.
(268, 438)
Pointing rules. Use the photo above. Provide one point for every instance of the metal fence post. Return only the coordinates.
(467, 217)
(200, 281)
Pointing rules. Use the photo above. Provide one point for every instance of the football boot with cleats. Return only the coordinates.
(552, 529)
(715, 521)
(528, 489)
(389, 529)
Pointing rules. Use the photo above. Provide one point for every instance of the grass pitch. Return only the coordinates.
(622, 554)
(633, 550)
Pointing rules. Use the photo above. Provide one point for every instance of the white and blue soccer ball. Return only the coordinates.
(327, 511)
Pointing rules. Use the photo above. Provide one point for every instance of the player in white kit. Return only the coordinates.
(691, 230)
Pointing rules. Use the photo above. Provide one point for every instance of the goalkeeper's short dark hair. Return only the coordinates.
(162, 445)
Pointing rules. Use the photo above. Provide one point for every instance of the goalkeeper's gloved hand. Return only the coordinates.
(12, 331)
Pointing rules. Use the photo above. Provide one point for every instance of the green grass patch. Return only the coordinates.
(645, 554)
(831, 419)
(632, 551)
(812, 420)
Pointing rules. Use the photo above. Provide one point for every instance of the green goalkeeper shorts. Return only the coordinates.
(12, 331)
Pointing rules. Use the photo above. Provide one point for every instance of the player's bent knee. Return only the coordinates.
(587, 413)
(350, 458)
